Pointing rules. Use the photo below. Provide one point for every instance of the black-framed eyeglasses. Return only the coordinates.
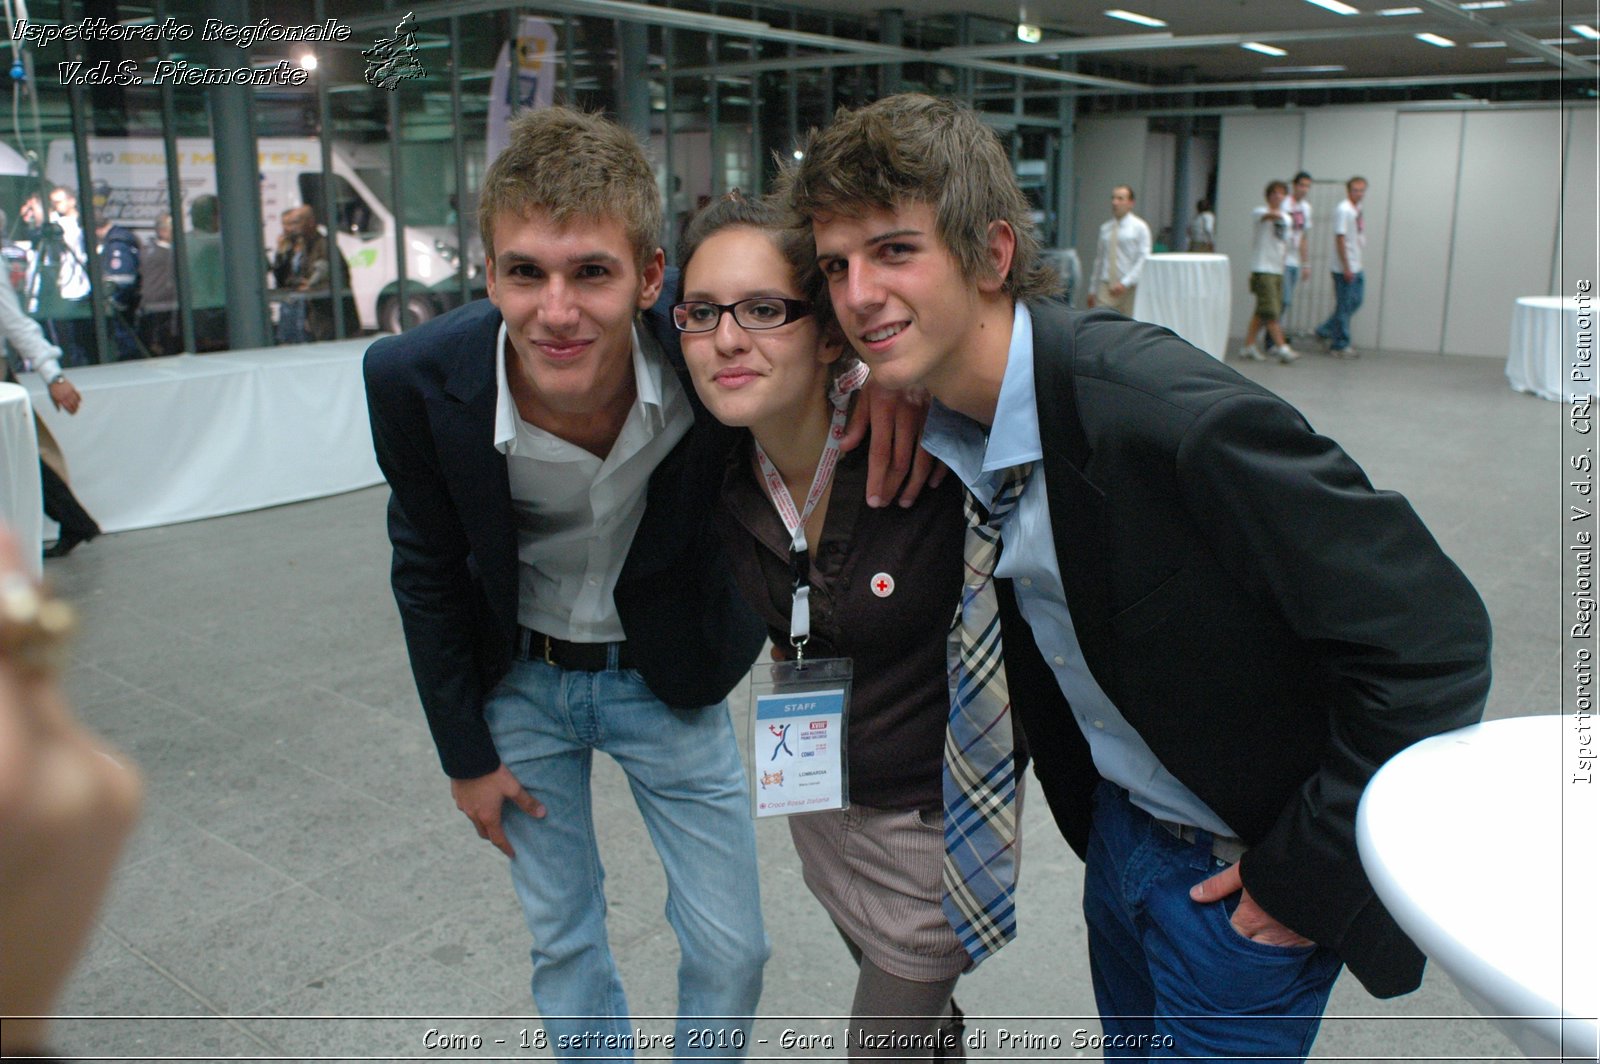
(761, 312)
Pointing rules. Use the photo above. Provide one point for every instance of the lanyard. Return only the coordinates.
(794, 521)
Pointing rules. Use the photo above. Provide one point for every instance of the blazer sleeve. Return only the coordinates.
(1401, 636)
(441, 606)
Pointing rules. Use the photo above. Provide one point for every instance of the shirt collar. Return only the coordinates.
(649, 396)
(972, 450)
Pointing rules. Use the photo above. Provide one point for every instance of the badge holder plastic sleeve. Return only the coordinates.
(799, 717)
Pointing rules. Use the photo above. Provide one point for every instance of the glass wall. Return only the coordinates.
(370, 138)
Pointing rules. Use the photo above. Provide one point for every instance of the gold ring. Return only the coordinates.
(34, 626)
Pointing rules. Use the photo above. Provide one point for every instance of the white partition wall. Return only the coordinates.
(1160, 172)
(1506, 212)
(1463, 211)
(1578, 252)
(1410, 307)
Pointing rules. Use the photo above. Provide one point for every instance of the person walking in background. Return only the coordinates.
(118, 250)
(40, 356)
(1203, 228)
(1298, 209)
(1346, 263)
(1119, 257)
(1269, 246)
(158, 309)
(207, 286)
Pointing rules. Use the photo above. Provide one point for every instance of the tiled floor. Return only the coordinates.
(300, 856)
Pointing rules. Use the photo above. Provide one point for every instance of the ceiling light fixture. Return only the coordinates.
(1264, 49)
(1435, 40)
(1558, 40)
(1487, 44)
(1586, 31)
(1135, 17)
(1326, 68)
(1390, 12)
(1336, 6)
(1525, 59)
(1027, 32)
(1485, 5)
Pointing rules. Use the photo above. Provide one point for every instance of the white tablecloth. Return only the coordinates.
(177, 439)
(21, 505)
(1189, 294)
(1485, 852)
(1544, 343)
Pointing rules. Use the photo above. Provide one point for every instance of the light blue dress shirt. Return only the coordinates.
(1028, 558)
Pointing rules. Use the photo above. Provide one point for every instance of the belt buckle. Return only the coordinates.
(547, 658)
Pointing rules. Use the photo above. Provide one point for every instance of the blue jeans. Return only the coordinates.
(684, 769)
(1291, 277)
(1347, 297)
(1172, 978)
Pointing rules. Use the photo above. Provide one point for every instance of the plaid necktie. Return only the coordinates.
(980, 815)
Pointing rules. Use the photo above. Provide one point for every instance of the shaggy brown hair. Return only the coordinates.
(575, 166)
(924, 149)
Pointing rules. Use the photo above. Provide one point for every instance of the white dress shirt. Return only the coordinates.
(575, 512)
(1133, 247)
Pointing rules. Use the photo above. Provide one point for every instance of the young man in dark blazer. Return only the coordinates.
(1216, 630)
(558, 580)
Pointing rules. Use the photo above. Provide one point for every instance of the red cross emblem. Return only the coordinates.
(883, 585)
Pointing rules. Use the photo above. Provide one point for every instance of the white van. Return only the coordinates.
(135, 171)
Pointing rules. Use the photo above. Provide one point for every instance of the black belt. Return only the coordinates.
(1224, 848)
(580, 657)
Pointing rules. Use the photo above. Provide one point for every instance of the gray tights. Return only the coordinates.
(898, 1016)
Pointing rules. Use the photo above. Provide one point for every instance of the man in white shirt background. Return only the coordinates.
(1119, 258)
(1349, 280)
(1298, 209)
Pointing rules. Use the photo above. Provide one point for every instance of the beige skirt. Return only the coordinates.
(878, 873)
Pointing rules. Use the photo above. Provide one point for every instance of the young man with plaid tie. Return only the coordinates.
(1215, 629)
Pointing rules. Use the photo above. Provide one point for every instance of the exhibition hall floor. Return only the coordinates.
(300, 856)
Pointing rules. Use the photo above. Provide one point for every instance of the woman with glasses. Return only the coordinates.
(883, 587)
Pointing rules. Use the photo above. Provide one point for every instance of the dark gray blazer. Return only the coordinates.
(431, 400)
(1272, 626)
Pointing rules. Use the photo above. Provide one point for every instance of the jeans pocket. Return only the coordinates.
(1219, 916)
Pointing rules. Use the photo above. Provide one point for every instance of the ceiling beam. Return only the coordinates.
(820, 62)
(1572, 64)
(1146, 42)
(878, 54)
(847, 52)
